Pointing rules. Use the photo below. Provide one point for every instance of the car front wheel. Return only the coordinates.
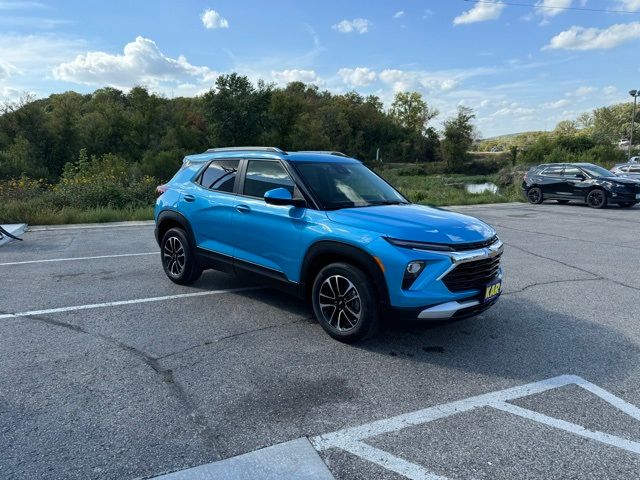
(344, 302)
(178, 260)
(597, 198)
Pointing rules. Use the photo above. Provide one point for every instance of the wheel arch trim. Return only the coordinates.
(344, 252)
(174, 217)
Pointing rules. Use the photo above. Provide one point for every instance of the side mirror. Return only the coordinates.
(282, 196)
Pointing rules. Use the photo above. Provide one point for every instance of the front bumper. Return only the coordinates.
(623, 196)
(453, 310)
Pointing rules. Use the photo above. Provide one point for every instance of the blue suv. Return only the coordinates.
(323, 226)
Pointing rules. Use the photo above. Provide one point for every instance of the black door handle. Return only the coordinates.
(189, 198)
(243, 208)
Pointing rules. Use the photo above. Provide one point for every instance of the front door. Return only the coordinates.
(576, 186)
(267, 237)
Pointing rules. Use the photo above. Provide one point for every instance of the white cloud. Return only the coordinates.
(212, 19)
(609, 90)
(37, 52)
(581, 38)
(402, 80)
(357, 77)
(18, 5)
(562, 103)
(481, 12)
(294, 75)
(632, 5)
(581, 91)
(7, 70)
(513, 110)
(398, 14)
(142, 63)
(358, 25)
(551, 8)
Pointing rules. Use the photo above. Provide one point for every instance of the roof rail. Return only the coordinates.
(243, 149)
(326, 152)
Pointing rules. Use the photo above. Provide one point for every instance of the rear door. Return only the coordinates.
(552, 181)
(267, 237)
(209, 205)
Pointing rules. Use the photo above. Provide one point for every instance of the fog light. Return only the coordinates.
(414, 267)
(411, 273)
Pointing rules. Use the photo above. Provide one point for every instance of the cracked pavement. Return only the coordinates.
(135, 390)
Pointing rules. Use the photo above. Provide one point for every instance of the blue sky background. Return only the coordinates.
(519, 68)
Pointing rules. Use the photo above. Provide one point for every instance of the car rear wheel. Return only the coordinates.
(344, 302)
(534, 195)
(627, 204)
(178, 259)
(597, 198)
(562, 202)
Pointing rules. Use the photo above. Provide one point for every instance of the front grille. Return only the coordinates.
(463, 247)
(472, 275)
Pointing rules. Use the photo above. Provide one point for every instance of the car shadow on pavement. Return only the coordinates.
(516, 338)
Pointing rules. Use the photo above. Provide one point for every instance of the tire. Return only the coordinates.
(597, 198)
(627, 204)
(535, 196)
(562, 202)
(345, 290)
(178, 259)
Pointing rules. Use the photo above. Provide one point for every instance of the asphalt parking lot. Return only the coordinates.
(108, 370)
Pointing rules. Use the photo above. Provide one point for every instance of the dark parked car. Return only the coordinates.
(583, 182)
(630, 170)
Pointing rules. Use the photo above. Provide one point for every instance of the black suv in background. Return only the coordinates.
(584, 182)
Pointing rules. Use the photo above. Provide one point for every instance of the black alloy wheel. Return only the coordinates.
(597, 198)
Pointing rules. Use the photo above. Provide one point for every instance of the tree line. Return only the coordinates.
(38, 137)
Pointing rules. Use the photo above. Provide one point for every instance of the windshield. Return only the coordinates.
(345, 185)
(596, 171)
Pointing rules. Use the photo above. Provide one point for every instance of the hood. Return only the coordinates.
(622, 180)
(415, 222)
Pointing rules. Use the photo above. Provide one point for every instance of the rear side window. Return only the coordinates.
(552, 171)
(263, 176)
(220, 175)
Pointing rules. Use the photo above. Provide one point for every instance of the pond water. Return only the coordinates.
(481, 187)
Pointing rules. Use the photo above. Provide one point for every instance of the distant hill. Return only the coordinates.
(513, 135)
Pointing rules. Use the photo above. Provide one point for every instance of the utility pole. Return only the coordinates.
(635, 94)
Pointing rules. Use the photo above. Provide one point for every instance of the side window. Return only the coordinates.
(571, 171)
(220, 175)
(264, 175)
(634, 169)
(552, 171)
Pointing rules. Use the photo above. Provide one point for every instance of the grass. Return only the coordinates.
(25, 202)
(27, 212)
(448, 189)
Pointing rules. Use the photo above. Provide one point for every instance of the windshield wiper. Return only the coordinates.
(388, 202)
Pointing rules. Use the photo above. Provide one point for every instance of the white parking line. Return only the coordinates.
(352, 439)
(69, 259)
(124, 302)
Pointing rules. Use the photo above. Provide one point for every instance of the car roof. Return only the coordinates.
(269, 153)
(576, 164)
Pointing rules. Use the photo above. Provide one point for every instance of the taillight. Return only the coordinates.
(160, 189)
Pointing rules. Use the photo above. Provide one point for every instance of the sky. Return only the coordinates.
(519, 67)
